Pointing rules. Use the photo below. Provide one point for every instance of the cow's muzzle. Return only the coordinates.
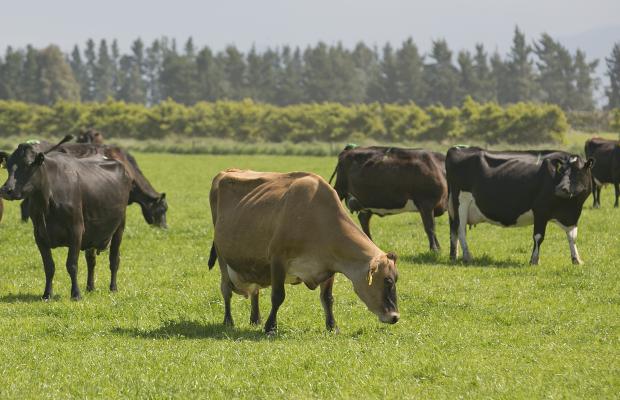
(390, 317)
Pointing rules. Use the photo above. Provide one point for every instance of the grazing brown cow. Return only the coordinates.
(273, 228)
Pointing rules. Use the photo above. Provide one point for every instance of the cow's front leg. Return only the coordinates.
(255, 312)
(72, 266)
(115, 258)
(428, 221)
(91, 261)
(48, 265)
(617, 192)
(364, 218)
(540, 226)
(327, 301)
(571, 235)
(278, 276)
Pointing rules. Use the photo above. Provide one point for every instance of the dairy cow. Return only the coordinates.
(514, 189)
(273, 228)
(74, 203)
(389, 180)
(606, 153)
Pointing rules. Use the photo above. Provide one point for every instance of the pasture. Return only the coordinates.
(497, 328)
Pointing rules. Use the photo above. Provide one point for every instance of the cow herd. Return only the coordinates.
(276, 228)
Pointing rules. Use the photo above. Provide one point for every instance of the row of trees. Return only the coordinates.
(250, 122)
(543, 71)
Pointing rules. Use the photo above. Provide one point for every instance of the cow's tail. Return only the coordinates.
(212, 256)
(334, 173)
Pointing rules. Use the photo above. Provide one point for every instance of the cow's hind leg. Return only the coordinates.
(597, 198)
(617, 192)
(429, 227)
(327, 301)
(278, 276)
(255, 313)
(540, 226)
(364, 218)
(226, 289)
(453, 206)
(91, 261)
(115, 258)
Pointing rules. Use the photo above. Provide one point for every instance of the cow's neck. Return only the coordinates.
(354, 256)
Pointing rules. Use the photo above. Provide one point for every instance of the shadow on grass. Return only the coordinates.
(432, 258)
(193, 330)
(24, 298)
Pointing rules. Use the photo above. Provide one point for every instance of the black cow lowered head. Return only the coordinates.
(155, 212)
(572, 176)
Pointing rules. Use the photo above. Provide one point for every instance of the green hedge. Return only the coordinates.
(252, 122)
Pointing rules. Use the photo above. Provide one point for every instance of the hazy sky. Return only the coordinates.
(276, 22)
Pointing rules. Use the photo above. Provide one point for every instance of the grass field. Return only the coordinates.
(495, 329)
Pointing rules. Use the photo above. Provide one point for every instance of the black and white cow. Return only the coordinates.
(514, 189)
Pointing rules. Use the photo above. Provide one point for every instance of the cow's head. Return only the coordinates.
(21, 167)
(378, 289)
(571, 176)
(155, 212)
(90, 136)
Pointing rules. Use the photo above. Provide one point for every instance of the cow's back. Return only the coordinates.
(386, 178)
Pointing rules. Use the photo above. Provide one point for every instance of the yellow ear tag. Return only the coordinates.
(369, 277)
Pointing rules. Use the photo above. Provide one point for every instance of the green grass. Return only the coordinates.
(496, 329)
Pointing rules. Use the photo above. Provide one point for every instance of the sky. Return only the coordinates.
(271, 23)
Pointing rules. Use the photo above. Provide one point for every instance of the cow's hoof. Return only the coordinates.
(113, 288)
(577, 261)
(76, 297)
(255, 321)
(271, 332)
(333, 329)
(46, 297)
(229, 322)
(90, 288)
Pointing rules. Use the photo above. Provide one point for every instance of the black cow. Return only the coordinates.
(74, 203)
(152, 203)
(606, 153)
(390, 180)
(515, 189)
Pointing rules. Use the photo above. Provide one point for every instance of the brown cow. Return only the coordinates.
(273, 228)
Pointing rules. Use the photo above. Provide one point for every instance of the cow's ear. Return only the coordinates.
(39, 158)
(163, 196)
(556, 164)
(392, 256)
(372, 269)
(589, 163)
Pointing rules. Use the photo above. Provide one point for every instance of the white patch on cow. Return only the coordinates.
(241, 286)
(304, 269)
(571, 235)
(536, 251)
(572, 160)
(409, 207)
(475, 216)
(465, 201)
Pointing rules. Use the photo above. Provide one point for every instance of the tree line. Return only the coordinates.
(541, 71)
